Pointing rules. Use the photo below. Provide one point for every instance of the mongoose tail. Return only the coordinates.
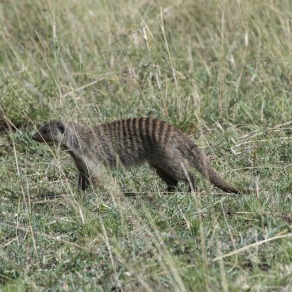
(201, 162)
(217, 181)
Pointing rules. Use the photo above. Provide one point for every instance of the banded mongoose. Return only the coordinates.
(132, 141)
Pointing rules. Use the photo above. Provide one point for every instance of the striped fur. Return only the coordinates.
(130, 142)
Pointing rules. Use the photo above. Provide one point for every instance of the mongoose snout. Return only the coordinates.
(169, 151)
(50, 132)
(37, 137)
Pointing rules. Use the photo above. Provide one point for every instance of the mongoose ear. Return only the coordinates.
(61, 128)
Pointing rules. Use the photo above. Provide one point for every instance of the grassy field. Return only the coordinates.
(220, 71)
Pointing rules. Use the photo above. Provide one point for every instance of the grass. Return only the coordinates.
(220, 71)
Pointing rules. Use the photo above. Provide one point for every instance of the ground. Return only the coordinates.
(218, 70)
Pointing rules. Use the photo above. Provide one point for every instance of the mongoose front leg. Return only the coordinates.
(171, 182)
(192, 183)
(86, 180)
(83, 180)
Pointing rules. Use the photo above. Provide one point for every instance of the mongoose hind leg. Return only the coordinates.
(170, 181)
(83, 181)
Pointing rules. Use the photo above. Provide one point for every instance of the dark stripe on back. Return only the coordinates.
(140, 135)
(129, 131)
(161, 132)
(140, 127)
(167, 133)
(125, 134)
(137, 133)
(121, 135)
(148, 128)
(154, 131)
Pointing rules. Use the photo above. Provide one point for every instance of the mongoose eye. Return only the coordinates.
(45, 132)
(61, 128)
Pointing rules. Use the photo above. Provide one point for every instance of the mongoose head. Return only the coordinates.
(51, 132)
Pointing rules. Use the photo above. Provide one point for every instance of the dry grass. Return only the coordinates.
(219, 70)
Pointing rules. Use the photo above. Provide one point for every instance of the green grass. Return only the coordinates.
(220, 71)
